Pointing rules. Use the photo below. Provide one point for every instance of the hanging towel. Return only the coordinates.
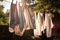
(48, 25)
(21, 27)
(13, 16)
(38, 23)
(28, 19)
(20, 16)
(32, 17)
(27, 15)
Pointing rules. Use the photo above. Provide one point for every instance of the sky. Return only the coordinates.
(7, 4)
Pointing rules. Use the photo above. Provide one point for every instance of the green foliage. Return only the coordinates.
(1, 0)
(4, 17)
(47, 6)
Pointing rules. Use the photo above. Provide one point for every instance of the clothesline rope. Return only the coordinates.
(10, 2)
(32, 3)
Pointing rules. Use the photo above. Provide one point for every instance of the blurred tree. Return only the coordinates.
(47, 6)
(4, 17)
(7, 17)
(1, 0)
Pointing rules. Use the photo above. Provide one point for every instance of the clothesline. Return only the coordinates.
(10, 2)
(21, 2)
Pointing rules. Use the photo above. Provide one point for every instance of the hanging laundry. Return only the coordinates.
(21, 27)
(24, 19)
(27, 15)
(17, 19)
(21, 16)
(42, 21)
(13, 17)
(48, 24)
(31, 13)
(38, 23)
(28, 19)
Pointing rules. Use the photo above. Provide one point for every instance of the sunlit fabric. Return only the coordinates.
(42, 22)
(27, 18)
(48, 25)
(38, 24)
(23, 18)
(32, 17)
(21, 27)
(20, 16)
(27, 15)
(16, 20)
(13, 16)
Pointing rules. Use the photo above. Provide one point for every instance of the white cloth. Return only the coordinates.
(20, 27)
(24, 20)
(20, 16)
(28, 19)
(39, 24)
(48, 25)
(31, 14)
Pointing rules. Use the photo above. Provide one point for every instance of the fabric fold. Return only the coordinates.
(48, 24)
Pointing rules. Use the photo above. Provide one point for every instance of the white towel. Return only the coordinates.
(38, 24)
(28, 19)
(48, 25)
(20, 16)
